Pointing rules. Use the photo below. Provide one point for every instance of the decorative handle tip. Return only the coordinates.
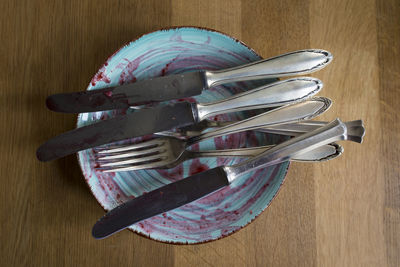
(355, 131)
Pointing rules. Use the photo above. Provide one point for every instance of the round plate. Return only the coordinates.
(219, 214)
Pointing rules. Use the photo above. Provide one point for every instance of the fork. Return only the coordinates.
(107, 158)
(291, 129)
(323, 153)
(169, 152)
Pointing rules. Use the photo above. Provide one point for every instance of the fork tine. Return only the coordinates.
(159, 156)
(111, 156)
(142, 145)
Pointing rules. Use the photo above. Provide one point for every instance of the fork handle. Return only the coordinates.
(294, 63)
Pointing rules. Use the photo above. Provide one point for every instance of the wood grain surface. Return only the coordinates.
(344, 212)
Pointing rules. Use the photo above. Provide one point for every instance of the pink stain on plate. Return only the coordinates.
(100, 76)
(221, 212)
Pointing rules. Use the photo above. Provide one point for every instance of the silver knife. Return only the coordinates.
(189, 189)
(187, 84)
(162, 118)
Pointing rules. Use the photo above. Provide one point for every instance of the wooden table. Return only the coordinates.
(344, 212)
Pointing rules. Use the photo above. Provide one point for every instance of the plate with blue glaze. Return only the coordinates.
(222, 213)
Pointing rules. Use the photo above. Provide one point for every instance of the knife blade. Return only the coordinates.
(189, 189)
(162, 118)
(187, 84)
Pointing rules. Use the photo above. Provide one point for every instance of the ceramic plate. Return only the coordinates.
(167, 52)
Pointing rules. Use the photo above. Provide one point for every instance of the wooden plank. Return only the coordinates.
(224, 16)
(284, 235)
(56, 46)
(388, 26)
(349, 191)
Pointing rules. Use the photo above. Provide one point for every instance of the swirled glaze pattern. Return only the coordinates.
(166, 52)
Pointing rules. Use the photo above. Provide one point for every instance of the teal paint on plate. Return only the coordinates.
(166, 52)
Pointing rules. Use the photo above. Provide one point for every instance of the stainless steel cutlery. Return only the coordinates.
(152, 120)
(197, 186)
(181, 125)
(187, 84)
(169, 152)
(163, 154)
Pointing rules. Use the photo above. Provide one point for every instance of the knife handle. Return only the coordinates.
(272, 95)
(290, 113)
(294, 63)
